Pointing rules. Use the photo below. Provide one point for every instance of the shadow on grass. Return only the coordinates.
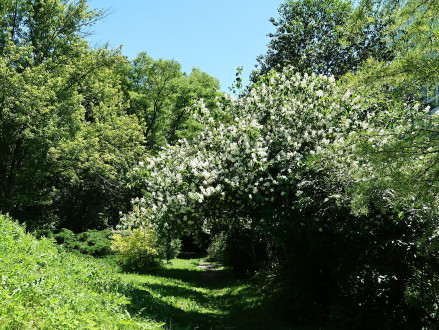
(147, 306)
(209, 279)
(170, 290)
(218, 299)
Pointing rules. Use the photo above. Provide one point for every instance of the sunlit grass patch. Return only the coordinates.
(187, 296)
(44, 287)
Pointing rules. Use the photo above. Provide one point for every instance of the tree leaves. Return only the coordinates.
(160, 96)
(317, 36)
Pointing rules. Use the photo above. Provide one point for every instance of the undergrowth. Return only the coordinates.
(44, 287)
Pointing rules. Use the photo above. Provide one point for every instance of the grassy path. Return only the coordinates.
(185, 296)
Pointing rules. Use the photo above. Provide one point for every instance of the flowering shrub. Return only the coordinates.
(284, 146)
(250, 162)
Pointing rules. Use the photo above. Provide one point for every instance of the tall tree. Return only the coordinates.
(317, 36)
(152, 85)
(51, 28)
(160, 94)
(198, 85)
(65, 136)
(414, 38)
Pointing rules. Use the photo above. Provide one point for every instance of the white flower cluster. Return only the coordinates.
(253, 156)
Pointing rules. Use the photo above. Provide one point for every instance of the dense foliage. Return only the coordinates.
(254, 159)
(74, 120)
(413, 37)
(42, 286)
(325, 37)
(92, 242)
(137, 249)
(63, 128)
(160, 95)
(278, 167)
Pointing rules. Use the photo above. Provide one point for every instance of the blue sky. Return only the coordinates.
(215, 36)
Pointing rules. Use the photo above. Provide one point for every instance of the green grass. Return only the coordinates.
(188, 297)
(44, 287)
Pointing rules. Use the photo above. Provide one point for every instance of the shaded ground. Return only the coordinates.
(192, 294)
(212, 272)
(209, 266)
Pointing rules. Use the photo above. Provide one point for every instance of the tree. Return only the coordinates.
(160, 94)
(272, 167)
(408, 146)
(65, 138)
(413, 36)
(318, 36)
(51, 28)
(152, 85)
(198, 85)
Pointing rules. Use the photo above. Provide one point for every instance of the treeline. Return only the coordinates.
(74, 120)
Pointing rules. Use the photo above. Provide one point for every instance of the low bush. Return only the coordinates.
(66, 238)
(217, 250)
(170, 249)
(141, 249)
(137, 249)
(92, 242)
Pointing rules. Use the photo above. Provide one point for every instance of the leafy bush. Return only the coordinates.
(91, 242)
(217, 249)
(95, 242)
(44, 287)
(137, 249)
(66, 238)
(170, 249)
(141, 249)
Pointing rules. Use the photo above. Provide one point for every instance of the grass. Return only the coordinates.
(185, 296)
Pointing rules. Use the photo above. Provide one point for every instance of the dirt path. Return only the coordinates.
(209, 266)
(212, 272)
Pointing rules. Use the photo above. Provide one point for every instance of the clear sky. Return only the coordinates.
(215, 36)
